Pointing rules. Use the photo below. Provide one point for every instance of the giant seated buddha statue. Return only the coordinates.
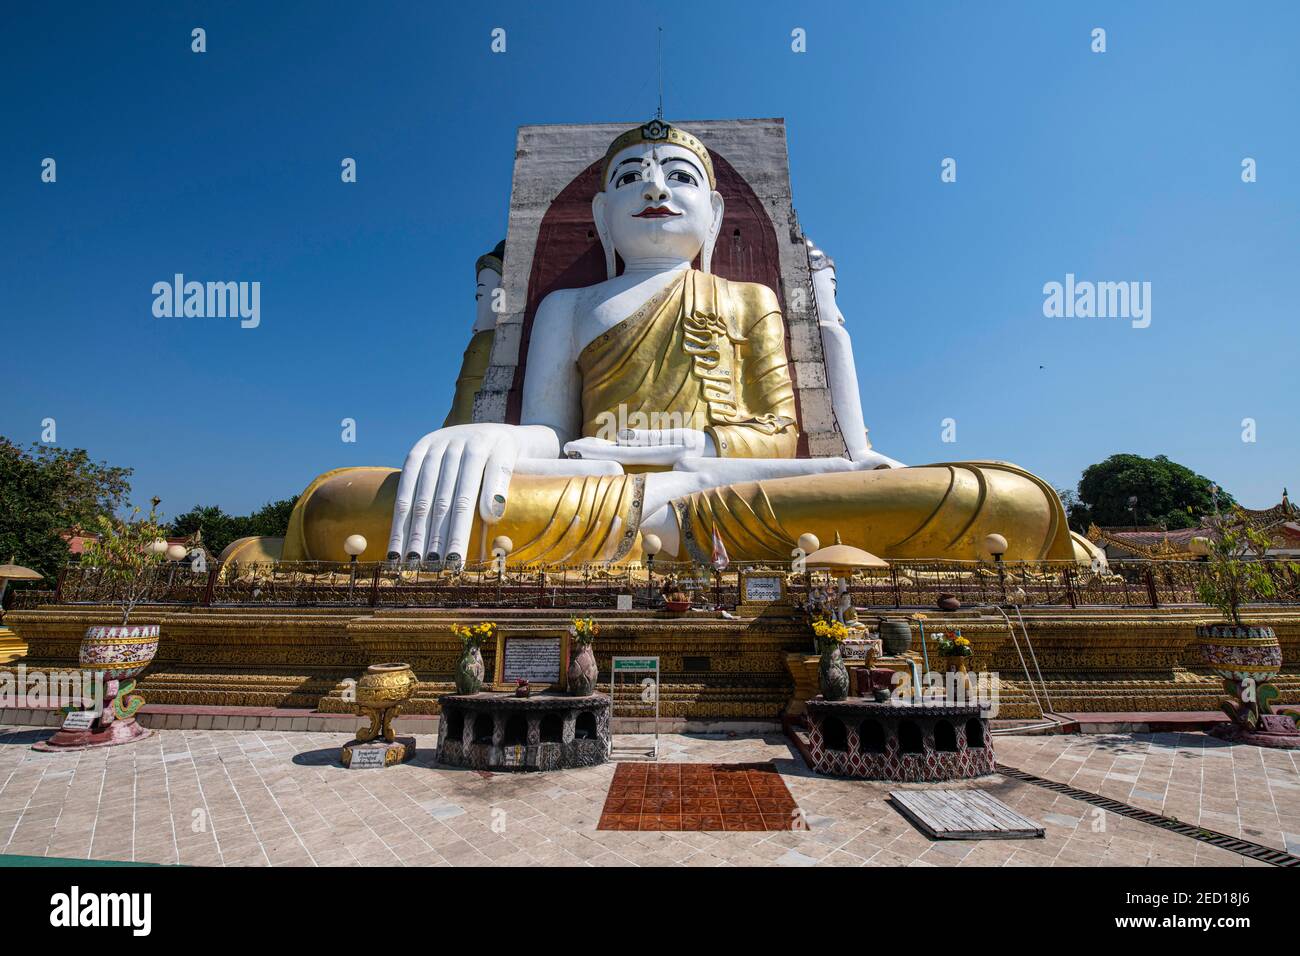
(660, 400)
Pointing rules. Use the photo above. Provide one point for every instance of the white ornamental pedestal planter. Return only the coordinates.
(117, 654)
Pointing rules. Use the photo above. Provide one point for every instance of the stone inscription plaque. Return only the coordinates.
(762, 588)
(79, 720)
(536, 659)
(367, 758)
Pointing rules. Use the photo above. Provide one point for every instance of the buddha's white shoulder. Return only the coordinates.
(558, 300)
(556, 310)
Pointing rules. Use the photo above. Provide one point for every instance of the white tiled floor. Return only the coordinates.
(209, 797)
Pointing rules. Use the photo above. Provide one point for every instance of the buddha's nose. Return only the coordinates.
(656, 189)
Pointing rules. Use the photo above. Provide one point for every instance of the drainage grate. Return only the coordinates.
(1256, 851)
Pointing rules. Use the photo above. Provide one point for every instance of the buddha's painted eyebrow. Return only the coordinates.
(670, 159)
(683, 159)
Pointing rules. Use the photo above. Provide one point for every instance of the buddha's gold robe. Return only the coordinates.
(708, 354)
(704, 353)
(473, 366)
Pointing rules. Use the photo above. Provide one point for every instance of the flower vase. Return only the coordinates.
(469, 670)
(832, 675)
(957, 665)
(582, 671)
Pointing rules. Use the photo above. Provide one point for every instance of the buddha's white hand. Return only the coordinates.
(872, 459)
(645, 446)
(446, 473)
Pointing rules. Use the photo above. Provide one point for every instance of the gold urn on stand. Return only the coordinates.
(380, 695)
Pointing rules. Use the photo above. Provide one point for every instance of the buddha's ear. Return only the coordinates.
(715, 227)
(598, 210)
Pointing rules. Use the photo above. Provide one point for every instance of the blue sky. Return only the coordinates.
(1117, 166)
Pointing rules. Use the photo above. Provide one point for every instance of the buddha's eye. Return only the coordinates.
(627, 178)
(682, 176)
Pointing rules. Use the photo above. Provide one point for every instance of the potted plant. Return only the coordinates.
(127, 553)
(1245, 656)
(521, 687)
(955, 650)
(582, 662)
(832, 675)
(469, 668)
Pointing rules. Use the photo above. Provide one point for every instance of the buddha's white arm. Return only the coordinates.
(846, 399)
(552, 389)
(842, 375)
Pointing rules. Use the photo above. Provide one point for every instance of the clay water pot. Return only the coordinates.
(896, 636)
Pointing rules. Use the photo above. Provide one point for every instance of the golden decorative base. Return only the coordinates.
(10, 647)
(751, 668)
(376, 754)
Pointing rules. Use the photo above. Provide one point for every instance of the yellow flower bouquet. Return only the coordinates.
(830, 631)
(475, 635)
(584, 629)
(955, 646)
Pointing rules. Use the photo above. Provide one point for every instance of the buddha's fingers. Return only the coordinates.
(448, 474)
(406, 485)
(582, 448)
(497, 473)
(869, 459)
(694, 440)
(422, 500)
(468, 482)
(631, 454)
(566, 467)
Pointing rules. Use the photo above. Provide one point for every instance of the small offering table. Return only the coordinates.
(496, 731)
(857, 737)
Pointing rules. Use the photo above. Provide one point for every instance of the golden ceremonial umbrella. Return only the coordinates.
(15, 572)
(841, 560)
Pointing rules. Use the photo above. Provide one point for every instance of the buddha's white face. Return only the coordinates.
(489, 280)
(657, 203)
(828, 310)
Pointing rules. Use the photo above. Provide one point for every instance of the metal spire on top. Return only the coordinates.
(659, 113)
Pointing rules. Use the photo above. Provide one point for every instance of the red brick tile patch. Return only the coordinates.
(695, 796)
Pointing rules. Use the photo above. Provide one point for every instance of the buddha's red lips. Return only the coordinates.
(656, 212)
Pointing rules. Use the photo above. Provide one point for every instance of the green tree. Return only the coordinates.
(272, 519)
(128, 554)
(1076, 511)
(217, 528)
(1233, 579)
(1129, 489)
(48, 490)
(220, 529)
